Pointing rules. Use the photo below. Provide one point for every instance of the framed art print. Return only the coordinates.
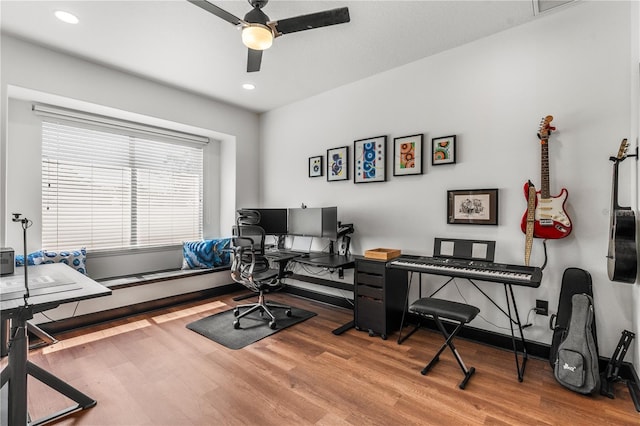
(407, 155)
(315, 166)
(473, 206)
(369, 159)
(443, 150)
(338, 163)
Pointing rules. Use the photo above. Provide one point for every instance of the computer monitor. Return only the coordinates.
(273, 221)
(320, 222)
(330, 223)
(306, 222)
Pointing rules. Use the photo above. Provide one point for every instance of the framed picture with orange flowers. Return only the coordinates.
(443, 150)
(407, 155)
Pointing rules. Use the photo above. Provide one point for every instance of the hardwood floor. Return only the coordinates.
(151, 370)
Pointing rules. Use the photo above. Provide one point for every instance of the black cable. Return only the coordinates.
(544, 244)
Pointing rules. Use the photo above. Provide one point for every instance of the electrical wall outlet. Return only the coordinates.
(542, 307)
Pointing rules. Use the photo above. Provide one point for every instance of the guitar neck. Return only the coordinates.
(544, 165)
(614, 189)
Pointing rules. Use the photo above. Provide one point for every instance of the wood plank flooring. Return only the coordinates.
(151, 370)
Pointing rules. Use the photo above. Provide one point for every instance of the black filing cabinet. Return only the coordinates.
(380, 294)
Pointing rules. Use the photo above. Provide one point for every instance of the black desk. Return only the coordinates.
(281, 258)
(326, 260)
(330, 261)
(318, 259)
(65, 285)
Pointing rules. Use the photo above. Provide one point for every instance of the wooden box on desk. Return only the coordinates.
(382, 253)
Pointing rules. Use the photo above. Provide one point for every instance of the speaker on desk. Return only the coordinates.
(343, 248)
(6, 260)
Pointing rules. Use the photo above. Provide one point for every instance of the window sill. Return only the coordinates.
(133, 250)
(156, 276)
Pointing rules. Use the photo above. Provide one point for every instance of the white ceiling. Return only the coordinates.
(177, 43)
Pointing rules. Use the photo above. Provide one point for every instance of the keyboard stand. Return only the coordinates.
(508, 291)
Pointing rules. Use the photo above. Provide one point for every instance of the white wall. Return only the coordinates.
(573, 64)
(34, 73)
(634, 132)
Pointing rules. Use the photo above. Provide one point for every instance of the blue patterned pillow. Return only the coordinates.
(34, 258)
(205, 254)
(74, 258)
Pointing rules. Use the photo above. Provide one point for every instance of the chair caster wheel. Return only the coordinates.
(384, 337)
(236, 312)
(288, 312)
(272, 325)
(371, 333)
(236, 324)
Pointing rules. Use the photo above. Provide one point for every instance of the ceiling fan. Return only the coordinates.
(258, 31)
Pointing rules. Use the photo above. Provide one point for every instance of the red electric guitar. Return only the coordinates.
(551, 220)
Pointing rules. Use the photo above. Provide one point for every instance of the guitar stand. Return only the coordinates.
(610, 376)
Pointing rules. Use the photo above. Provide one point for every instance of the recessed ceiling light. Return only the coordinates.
(66, 17)
(248, 86)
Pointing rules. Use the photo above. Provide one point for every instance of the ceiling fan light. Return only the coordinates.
(67, 17)
(257, 37)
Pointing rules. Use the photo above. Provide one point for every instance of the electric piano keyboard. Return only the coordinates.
(528, 276)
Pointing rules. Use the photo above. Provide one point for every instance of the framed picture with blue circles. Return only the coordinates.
(370, 160)
(315, 166)
(338, 164)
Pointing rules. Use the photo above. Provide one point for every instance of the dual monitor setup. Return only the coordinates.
(319, 222)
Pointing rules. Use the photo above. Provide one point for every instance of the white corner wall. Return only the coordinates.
(634, 134)
(573, 64)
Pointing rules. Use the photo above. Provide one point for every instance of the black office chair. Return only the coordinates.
(251, 268)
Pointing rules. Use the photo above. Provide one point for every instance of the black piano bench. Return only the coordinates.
(459, 313)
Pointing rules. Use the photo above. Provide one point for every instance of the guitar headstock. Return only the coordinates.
(545, 128)
(622, 151)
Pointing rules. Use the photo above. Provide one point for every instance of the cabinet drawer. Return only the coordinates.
(371, 267)
(371, 279)
(369, 291)
(370, 315)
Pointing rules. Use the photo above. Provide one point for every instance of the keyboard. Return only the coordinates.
(471, 269)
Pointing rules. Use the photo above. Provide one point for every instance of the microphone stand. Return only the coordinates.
(46, 338)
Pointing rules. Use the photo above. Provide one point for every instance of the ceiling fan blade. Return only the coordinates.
(220, 13)
(311, 21)
(254, 58)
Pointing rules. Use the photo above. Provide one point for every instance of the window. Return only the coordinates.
(104, 189)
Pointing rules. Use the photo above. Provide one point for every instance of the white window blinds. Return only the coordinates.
(106, 190)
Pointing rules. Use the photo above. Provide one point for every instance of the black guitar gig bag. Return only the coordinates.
(574, 281)
(576, 365)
